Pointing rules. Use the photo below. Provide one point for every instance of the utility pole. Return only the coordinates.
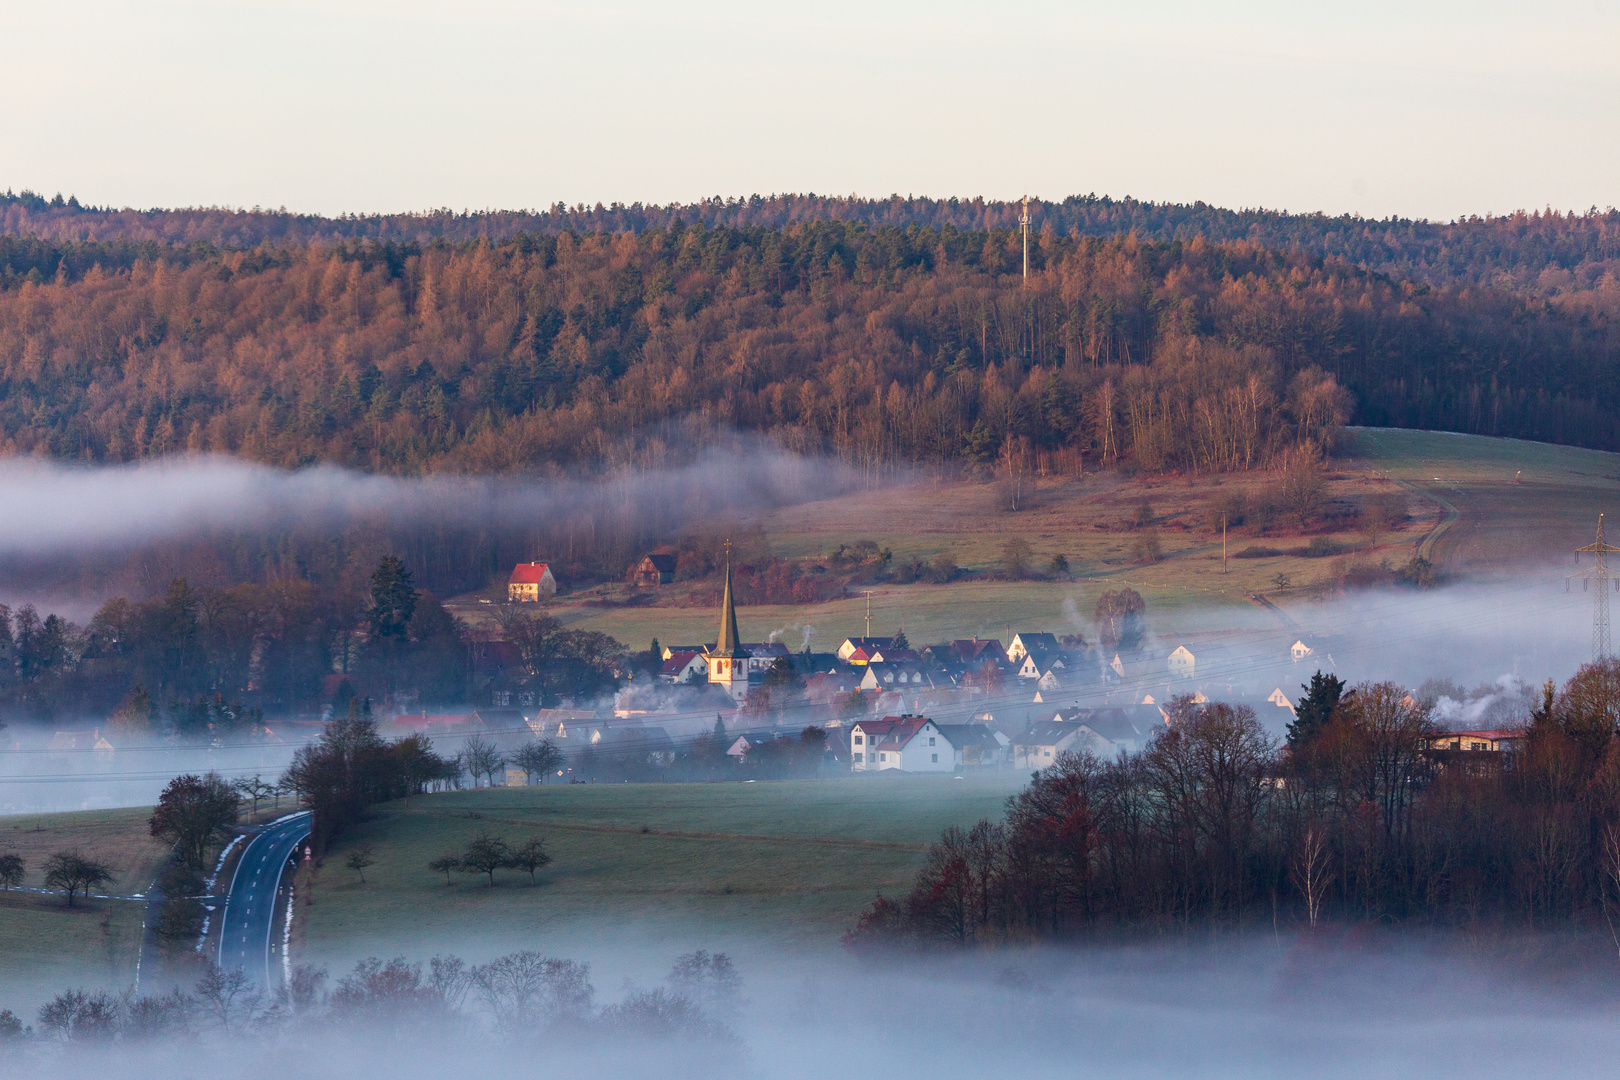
(1223, 541)
(1602, 575)
(868, 613)
(1023, 223)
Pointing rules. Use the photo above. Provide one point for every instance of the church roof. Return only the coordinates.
(730, 644)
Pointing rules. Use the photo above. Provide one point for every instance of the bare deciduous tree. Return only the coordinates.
(1311, 870)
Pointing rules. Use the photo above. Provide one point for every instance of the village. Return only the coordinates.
(881, 704)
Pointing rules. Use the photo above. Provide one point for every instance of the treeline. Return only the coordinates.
(1542, 252)
(202, 663)
(877, 346)
(524, 1002)
(1358, 819)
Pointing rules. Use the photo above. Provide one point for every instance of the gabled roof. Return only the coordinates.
(678, 662)
(1034, 641)
(892, 732)
(529, 573)
(1112, 724)
(662, 561)
(1047, 733)
(962, 735)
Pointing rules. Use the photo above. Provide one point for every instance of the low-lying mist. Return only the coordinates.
(1286, 1006)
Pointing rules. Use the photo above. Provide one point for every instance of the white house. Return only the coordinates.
(1181, 663)
(1037, 663)
(1107, 732)
(867, 645)
(684, 667)
(1299, 651)
(1024, 644)
(977, 745)
(1043, 741)
(1280, 699)
(907, 743)
(531, 581)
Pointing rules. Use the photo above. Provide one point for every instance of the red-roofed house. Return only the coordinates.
(531, 581)
(908, 743)
(684, 666)
(433, 724)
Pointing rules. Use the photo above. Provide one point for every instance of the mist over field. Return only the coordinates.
(54, 509)
(1289, 1006)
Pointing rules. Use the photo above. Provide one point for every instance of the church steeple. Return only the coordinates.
(730, 643)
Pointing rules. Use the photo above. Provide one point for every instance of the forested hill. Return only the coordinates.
(877, 344)
(1543, 252)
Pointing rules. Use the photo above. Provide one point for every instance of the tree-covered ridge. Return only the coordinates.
(1544, 251)
(874, 344)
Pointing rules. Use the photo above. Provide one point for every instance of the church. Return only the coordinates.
(729, 662)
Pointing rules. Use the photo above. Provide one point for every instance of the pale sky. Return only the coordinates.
(1417, 109)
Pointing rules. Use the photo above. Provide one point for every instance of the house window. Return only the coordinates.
(936, 759)
(859, 740)
(857, 757)
(883, 757)
(930, 741)
(1046, 753)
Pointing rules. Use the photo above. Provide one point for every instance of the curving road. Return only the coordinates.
(248, 925)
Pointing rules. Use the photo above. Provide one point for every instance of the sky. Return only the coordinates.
(1415, 109)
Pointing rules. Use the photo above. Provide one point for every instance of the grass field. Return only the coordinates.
(45, 946)
(1501, 525)
(1461, 493)
(709, 865)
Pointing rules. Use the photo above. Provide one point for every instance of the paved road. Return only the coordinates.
(248, 925)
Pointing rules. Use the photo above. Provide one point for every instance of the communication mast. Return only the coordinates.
(1601, 575)
(1023, 223)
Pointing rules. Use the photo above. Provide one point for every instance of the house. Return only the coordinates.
(1043, 741)
(1494, 742)
(1034, 663)
(738, 750)
(895, 676)
(1024, 644)
(1280, 699)
(531, 581)
(892, 655)
(433, 724)
(866, 646)
(655, 570)
(906, 743)
(977, 745)
(81, 740)
(975, 651)
(685, 666)
(1299, 651)
(1181, 663)
(1108, 732)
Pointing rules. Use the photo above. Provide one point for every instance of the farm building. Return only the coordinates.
(531, 581)
(655, 570)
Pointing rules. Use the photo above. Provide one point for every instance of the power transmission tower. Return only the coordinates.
(1601, 575)
(1023, 224)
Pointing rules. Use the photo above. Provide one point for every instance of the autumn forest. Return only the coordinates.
(545, 351)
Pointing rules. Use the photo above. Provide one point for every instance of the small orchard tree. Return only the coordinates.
(530, 857)
(446, 864)
(74, 872)
(485, 855)
(11, 870)
(360, 858)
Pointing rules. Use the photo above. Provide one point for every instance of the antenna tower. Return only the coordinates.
(1023, 224)
(1602, 575)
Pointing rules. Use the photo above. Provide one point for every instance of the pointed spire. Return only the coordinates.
(730, 643)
